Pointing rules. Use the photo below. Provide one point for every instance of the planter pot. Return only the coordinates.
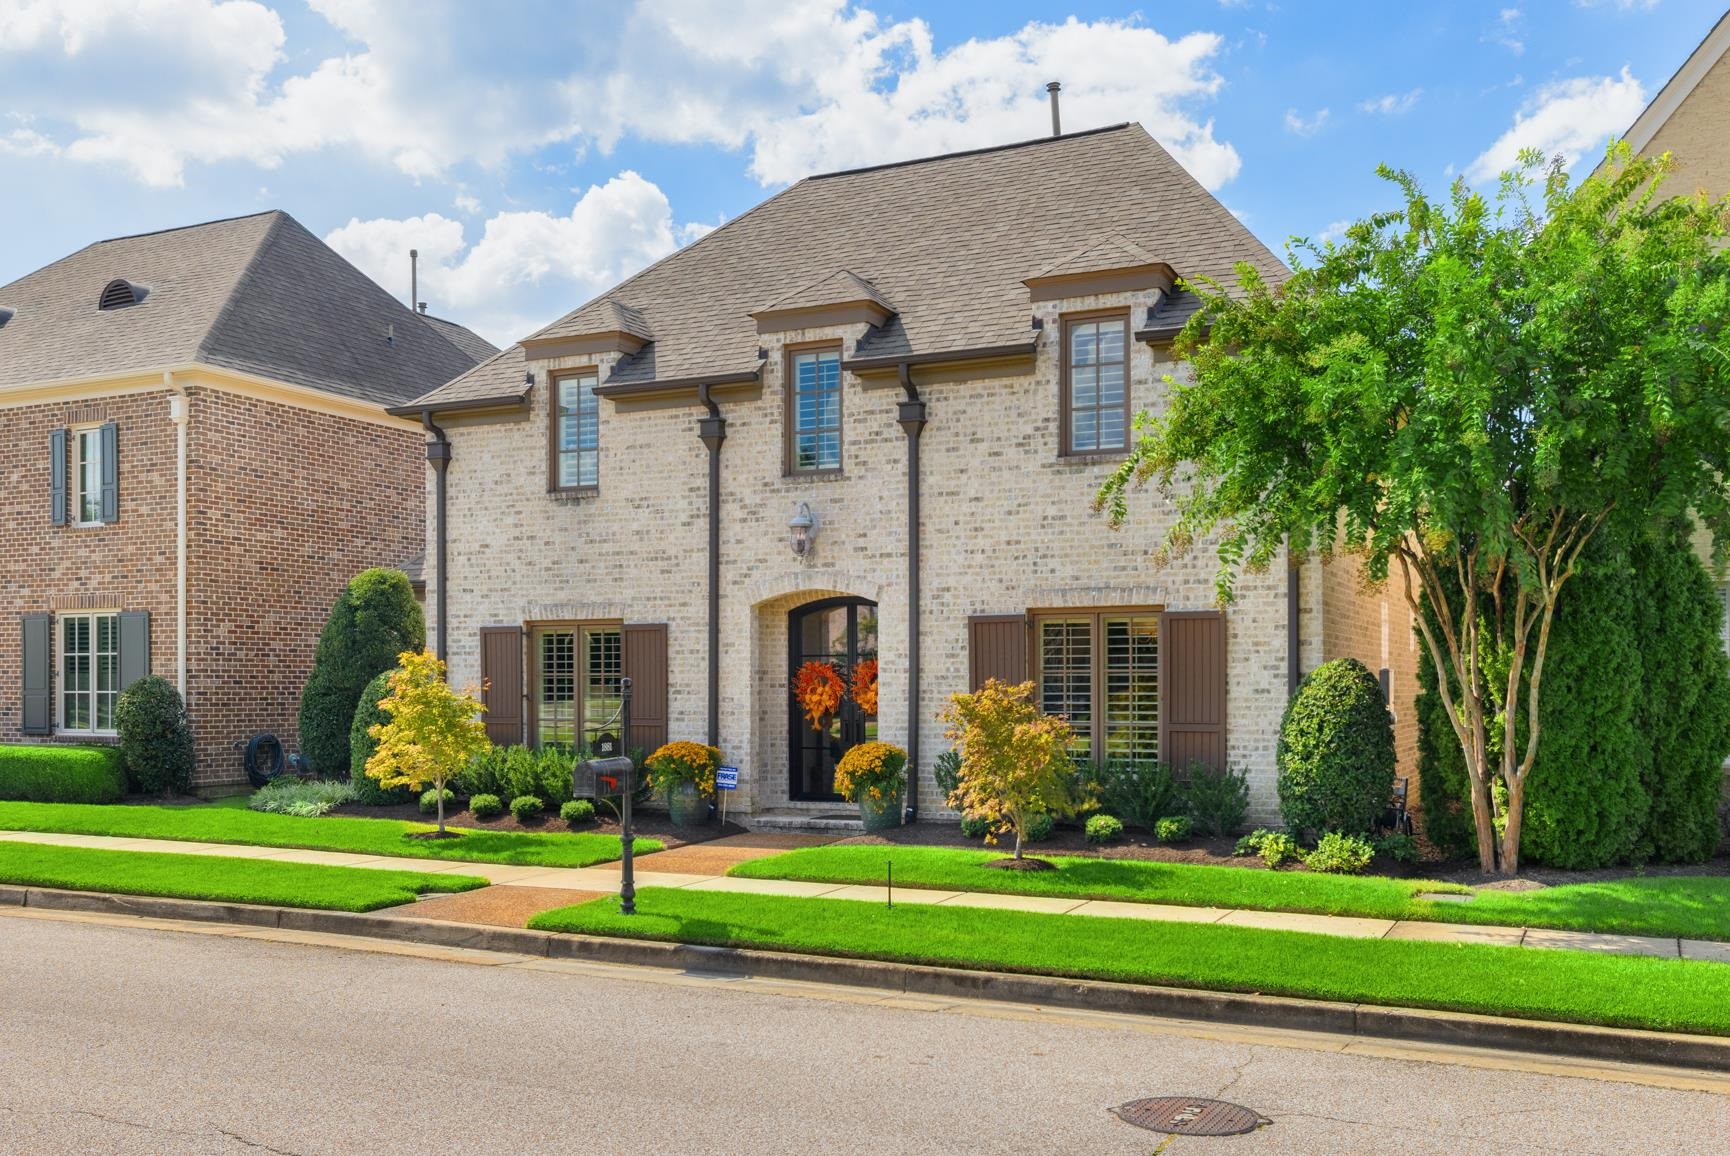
(879, 814)
(686, 806)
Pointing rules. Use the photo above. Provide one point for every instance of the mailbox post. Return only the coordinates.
(589, 774)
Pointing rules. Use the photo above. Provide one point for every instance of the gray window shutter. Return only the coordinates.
(110, 473)
(57, 476)
(134, 646)
(38, 676)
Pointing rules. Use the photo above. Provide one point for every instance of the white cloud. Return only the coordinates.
(153, 85)
(1305, 126)
(1393, 104)
(1506, 31)
(1335, 232)
(502, 283)
(466, 204)
(27, 142)
(1571, 117)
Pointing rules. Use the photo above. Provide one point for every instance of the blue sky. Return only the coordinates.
(536, 153)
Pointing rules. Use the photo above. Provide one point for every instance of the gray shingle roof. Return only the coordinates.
(471, 344)
(841, 286)
(257, 294)
(949, 240)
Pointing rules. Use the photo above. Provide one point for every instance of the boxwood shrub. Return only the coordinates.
(486, 806)
(1336, 751)
(526, 807)
(45, 773)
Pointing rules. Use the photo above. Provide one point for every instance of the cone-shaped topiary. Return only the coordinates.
(375, 619)
(361, 745)
(155, 743)
(1336, 751)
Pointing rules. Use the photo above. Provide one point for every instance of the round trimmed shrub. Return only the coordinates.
(525, 807)
(1338, 854)
(1103, 828)
(1039, 827)
(1336, 751)
(577, 812)
(486, 806)
(1172, 829)
(973, 827)
(361, 746)
(375, 619)
(429, 800)
(155, 743)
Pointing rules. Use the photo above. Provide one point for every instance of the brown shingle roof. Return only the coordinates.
(949, 240)
(840, 287)
(257, 294)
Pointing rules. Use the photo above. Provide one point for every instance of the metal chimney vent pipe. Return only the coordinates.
(413, 277)
(1056, 124)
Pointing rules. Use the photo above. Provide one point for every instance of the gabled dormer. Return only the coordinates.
(1113, 264)
(841, 298)
(604, 326)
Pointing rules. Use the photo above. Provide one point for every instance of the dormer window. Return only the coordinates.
(1096, 383)
(119, 293)
(814, 411)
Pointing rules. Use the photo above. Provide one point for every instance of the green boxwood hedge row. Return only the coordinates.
(45, 773)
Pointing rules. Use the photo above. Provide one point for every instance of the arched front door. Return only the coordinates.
(841, 633)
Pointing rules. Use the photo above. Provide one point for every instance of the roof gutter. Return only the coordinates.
(894, 363)
(421, 409)
(626, 391)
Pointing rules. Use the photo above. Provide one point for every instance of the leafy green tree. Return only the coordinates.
(375, 619)
(1464, 387)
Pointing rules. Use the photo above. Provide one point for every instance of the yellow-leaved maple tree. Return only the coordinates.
(432, 733)
(1015, 761)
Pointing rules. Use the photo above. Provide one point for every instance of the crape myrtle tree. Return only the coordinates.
(1464, 391)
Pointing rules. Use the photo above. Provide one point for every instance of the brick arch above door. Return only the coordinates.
(805, 586)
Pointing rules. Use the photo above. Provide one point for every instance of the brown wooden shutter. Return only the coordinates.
(645, 664)
(502, 680)
(1192, 687)
(38, 672)
(997, 648)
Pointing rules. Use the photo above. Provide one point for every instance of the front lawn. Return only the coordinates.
(1690, 907)
(219, 823)
(218, 878)
(1572, 986)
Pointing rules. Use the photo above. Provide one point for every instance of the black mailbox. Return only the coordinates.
(595, 778)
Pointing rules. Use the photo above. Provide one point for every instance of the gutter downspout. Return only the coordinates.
(180, 413)
(1293, 634)
(713, 431)
(911, 415)
(438, 455)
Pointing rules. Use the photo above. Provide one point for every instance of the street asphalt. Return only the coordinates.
(120, 1038)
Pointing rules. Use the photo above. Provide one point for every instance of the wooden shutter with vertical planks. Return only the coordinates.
(1192, 688)
(502, 683)
(997, 648)
(644, 658)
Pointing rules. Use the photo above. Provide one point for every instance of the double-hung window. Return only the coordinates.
(577, 669)
(576, 432)
(1096, 384)
(814, 411)
(87, 476)
(89, 672)
(1100, 670)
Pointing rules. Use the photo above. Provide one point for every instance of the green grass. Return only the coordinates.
(1688, 906)
(230, 822)
(1573, 986)
(219, 878)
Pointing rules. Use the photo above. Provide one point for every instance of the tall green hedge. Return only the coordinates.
(1684, 710)
(46, 773)
(361, 746)
(1636, 717)
(1336, 751)
(375, 619)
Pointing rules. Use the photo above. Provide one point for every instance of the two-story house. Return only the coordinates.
(861, 424)
(197, 454)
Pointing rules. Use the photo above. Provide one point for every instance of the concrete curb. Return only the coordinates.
(1669, 1049)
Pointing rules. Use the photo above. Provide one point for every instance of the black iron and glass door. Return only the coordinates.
(839, 634)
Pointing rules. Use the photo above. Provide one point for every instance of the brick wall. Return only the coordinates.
(1006, 527)
(284, 505)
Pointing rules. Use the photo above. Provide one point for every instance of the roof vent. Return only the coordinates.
(119, 293)
(6, 315)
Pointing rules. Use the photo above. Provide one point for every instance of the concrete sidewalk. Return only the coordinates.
(604, 878)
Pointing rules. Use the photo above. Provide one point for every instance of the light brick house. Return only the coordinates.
(196, 456)
(934, 361)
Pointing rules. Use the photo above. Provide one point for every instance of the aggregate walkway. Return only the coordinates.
(661, 870)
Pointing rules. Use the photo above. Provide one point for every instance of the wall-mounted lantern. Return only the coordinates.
(802, 530)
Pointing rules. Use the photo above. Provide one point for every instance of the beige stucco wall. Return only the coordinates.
(1698, 133)
(1007, 526)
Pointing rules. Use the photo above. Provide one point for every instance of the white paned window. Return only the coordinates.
(87, 476)
(89, 672)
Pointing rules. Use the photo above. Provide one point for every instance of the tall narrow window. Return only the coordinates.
(555, 688)
(87, 476)
(1096, 385)
(603, 666)
(576, 432)
(814, 411)
(1100, 670)
(576, 683)
(89, 671)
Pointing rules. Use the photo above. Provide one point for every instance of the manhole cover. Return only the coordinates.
(1183, 1116)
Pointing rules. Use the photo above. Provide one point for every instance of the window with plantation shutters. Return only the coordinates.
(1100, 669)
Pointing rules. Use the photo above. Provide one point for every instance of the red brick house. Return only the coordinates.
(196, 455)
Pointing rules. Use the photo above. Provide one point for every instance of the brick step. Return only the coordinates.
(806, 822)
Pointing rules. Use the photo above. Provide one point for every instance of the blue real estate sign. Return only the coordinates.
(727, 778)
